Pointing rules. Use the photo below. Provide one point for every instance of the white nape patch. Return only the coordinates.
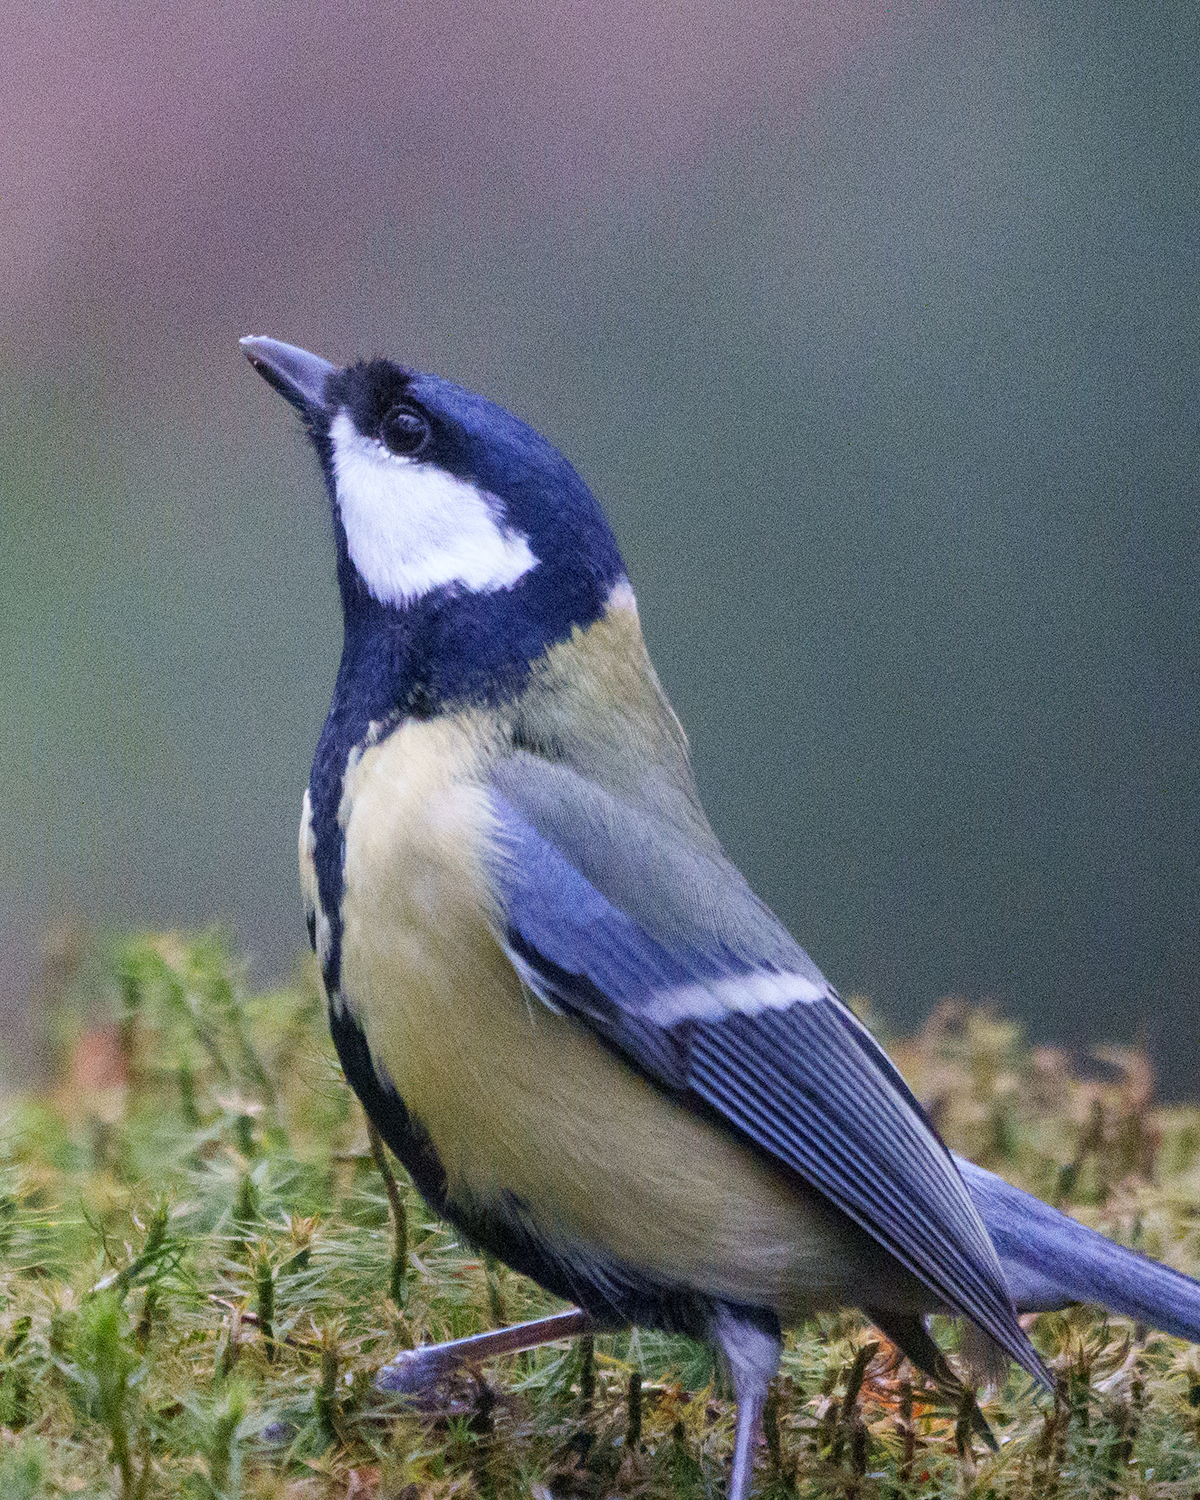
(733, 994)
(621, 596)
(412, 528)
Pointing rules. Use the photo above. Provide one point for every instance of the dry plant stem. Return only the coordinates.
(587, 1372)
(908, 1431)
(633, 1430)
(399, 1215)
(771, 1429)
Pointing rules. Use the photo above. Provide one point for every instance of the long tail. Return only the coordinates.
(1049, 1260)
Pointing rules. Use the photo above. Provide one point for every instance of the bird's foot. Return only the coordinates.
(416, 1370)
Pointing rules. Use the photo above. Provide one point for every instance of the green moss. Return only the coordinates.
(201, 1267)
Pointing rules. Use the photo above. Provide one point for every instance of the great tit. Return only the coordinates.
(595, 1050)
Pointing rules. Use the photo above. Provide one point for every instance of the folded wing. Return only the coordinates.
(659, 946)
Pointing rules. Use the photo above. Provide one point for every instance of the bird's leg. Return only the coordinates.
(416, 1369)
(751, 1346)
(910, 1335)
(749, 1416)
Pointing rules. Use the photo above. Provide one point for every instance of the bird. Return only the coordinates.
(595, 1050)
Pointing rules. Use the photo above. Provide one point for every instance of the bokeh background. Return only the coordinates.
(875, 327)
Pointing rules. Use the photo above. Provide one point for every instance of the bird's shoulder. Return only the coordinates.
(593, 702)
(587, 759)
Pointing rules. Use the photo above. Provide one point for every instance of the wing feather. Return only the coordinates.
(716, 1019)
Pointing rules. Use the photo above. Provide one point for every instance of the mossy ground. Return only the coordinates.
(199, 1278)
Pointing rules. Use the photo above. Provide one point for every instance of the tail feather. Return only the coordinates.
(1049, 1260)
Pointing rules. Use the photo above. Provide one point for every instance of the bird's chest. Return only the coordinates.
(419, 965)
(518, 1104)
(411, 905)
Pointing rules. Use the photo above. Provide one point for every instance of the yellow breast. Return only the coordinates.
(520, 1100)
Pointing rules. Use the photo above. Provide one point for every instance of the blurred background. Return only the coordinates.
(876, 328)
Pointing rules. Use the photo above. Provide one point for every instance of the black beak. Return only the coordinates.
(298, 376)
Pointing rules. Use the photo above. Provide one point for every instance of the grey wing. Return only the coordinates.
(657, 944)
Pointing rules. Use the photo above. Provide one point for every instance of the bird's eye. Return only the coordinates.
(404, 431)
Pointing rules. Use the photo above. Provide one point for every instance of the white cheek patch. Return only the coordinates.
(412, 528)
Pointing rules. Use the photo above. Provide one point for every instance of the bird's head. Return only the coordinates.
(448, 511)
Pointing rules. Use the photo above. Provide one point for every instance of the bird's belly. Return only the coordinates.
(524, 1103)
